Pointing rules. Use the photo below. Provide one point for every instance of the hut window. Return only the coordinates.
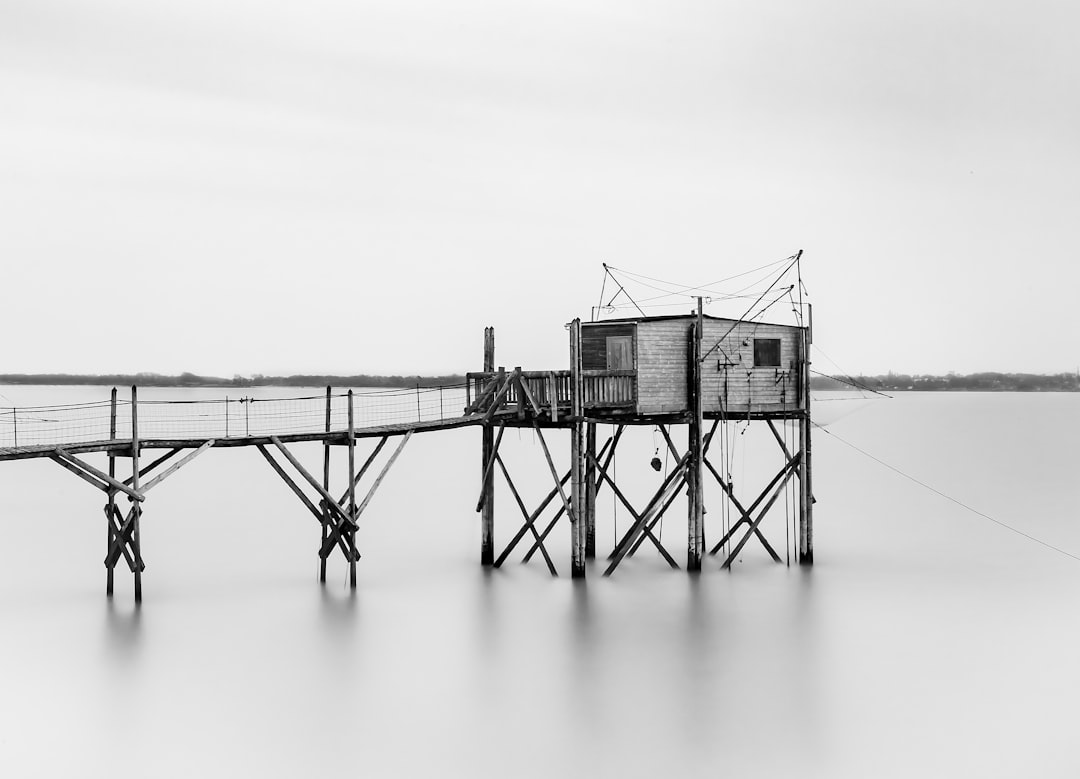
(766, 352)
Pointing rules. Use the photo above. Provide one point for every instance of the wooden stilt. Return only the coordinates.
(352, 494)
(578, 525)
(110, 505)
(325, 530)
(487, 499)
(590, 491)
(136, 510)
(806, 493)
(696, 507)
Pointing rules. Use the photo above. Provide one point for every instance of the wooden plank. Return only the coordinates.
(176, 466)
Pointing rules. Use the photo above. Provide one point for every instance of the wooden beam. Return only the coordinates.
(290, 482)
(746, 514)
(143, 471)
(176, 466)
(485, 481)
(363, 469)
(310, 479)
(81, 474)
(382, 474)
(528, 394)
(529, 519)
(132, 492)
(641, 519)
(498, 398)
(790, 471)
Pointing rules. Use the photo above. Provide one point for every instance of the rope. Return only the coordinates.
(936, 491)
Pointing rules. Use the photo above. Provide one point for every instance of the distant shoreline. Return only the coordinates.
(973, 382)
(194, 380)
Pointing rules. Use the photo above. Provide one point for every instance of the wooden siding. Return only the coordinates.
(594, 343)
(730, 382)
(661, 353)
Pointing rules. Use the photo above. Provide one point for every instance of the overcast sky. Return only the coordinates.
(222, 186)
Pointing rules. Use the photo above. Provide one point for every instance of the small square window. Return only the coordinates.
(766, 352)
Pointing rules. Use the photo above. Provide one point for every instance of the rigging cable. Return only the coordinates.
(963, 505)
(794, 260)
(622, 289)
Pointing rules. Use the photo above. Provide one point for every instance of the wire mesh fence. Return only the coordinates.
(228, 417)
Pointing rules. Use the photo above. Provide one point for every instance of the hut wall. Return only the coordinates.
(661, 349)
(730, 381)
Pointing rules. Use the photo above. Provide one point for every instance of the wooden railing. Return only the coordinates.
(600, 389)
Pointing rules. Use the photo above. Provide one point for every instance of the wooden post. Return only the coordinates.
(135, 505)
(590, 490)
(806, 493)
(487, 516)
(578, 524)
(352, 492)
(326, 486)
(696, 508)
(110, 506)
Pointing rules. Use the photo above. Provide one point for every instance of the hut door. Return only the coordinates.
(620, 353)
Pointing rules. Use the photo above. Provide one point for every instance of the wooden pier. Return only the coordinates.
(693, 370)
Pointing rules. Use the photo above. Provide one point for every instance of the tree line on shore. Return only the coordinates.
(891, 382)
(971, 382)
(256, 380)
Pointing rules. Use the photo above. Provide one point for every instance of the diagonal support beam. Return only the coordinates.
(349, 525)
(364, 467)
(529, 518)
(554, 473)
(641, 520)
(176, 466)
(66, 459)
(487, 469)
(164, 458)
(743, 512)
(747, 513)
(124, 537)
(118, 539)
(310, 479)
(761, 515)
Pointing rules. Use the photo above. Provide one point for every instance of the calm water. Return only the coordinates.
(926, 641)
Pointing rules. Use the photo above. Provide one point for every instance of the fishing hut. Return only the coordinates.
(694, 371)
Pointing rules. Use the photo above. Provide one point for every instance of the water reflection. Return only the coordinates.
(123, 631)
